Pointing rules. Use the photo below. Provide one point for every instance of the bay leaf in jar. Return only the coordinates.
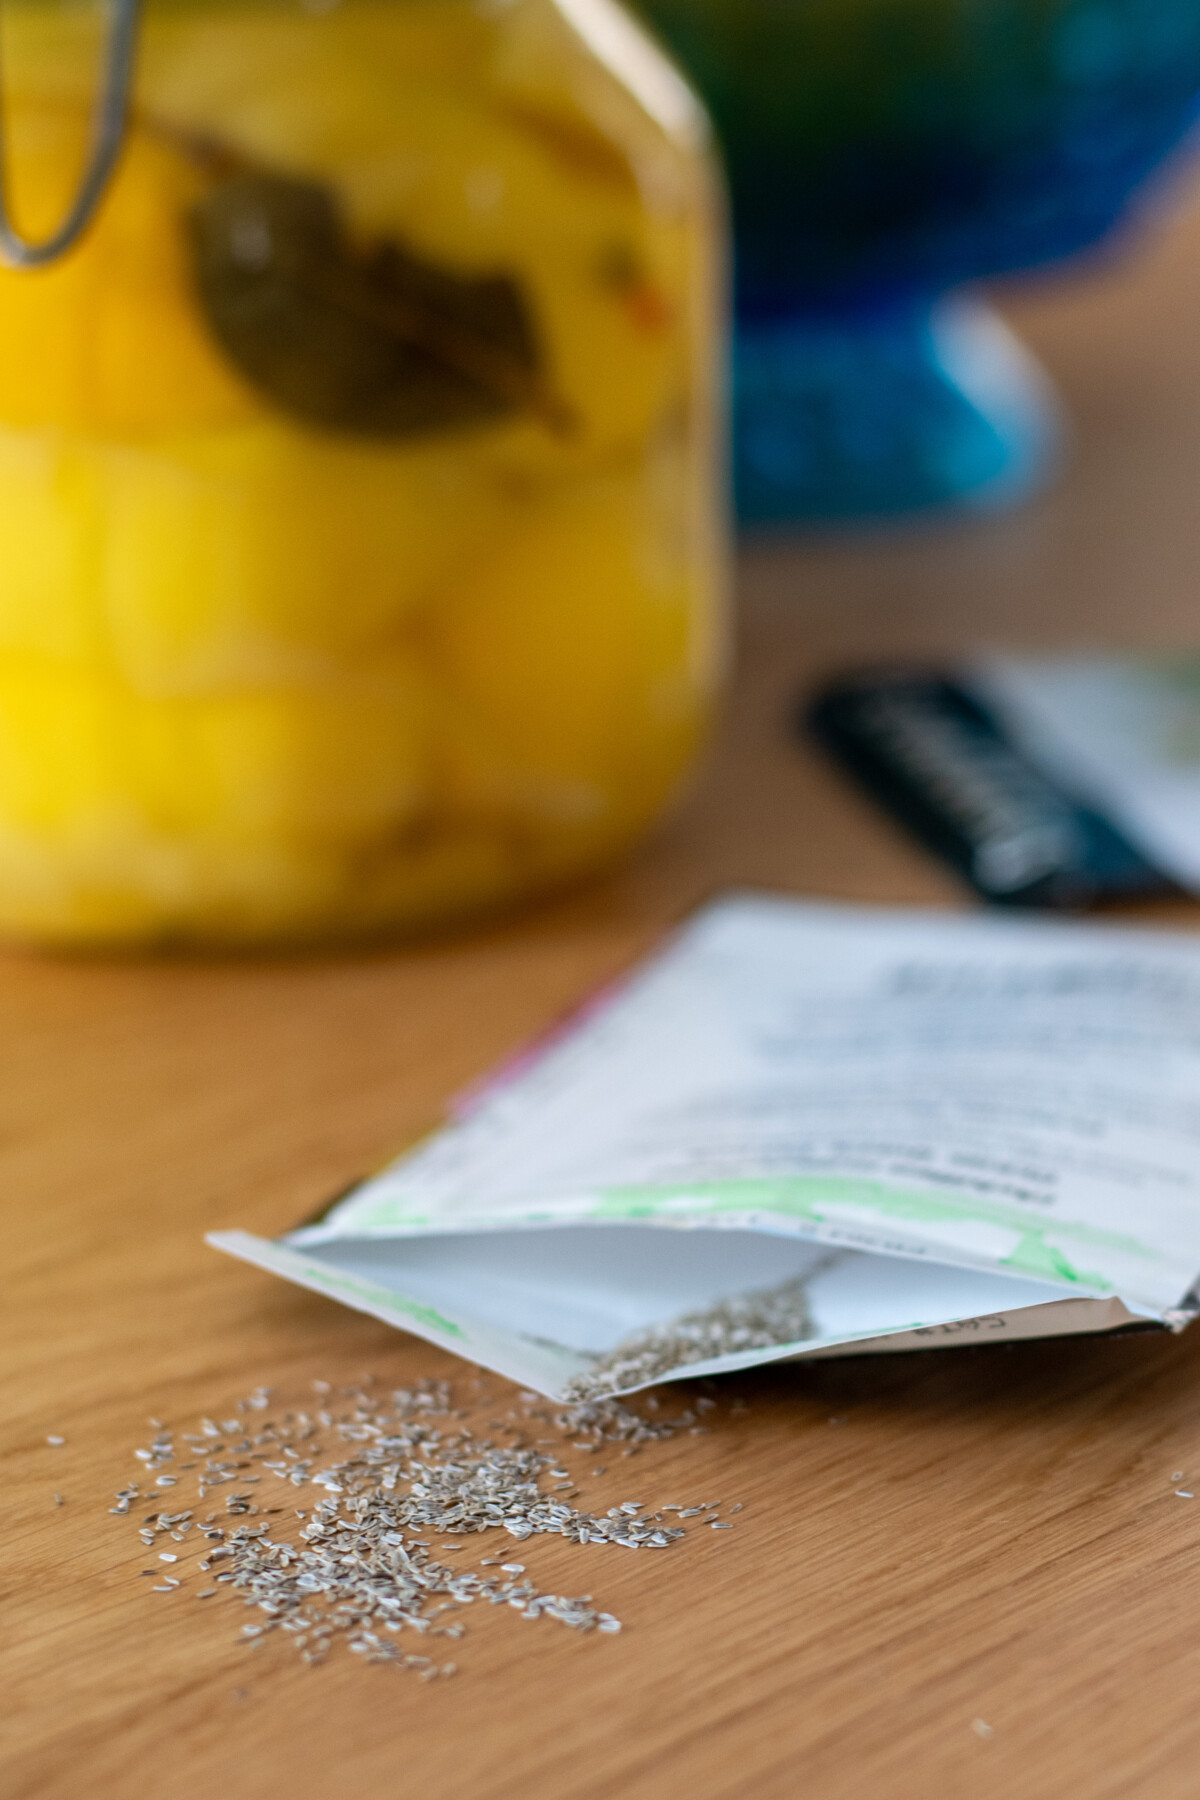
(374, 340)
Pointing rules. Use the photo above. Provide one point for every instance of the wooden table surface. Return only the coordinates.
(985, 1536)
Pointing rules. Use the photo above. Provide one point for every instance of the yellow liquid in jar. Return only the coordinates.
(262, 681)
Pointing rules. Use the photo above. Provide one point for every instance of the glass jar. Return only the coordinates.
(360, 472)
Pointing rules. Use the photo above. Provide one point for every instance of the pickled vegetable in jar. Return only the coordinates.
(360, 486)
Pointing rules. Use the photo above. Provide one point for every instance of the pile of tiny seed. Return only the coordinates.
(760, 1320)
(381, 1477)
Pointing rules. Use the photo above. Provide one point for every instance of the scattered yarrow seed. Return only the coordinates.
(385, 1475)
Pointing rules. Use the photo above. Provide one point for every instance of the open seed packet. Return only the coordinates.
(798, 1130)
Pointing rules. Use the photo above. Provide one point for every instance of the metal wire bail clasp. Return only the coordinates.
(108, 129)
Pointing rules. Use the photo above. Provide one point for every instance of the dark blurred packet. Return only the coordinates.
(1042, 783)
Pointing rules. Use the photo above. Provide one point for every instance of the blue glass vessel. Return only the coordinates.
(884, 155)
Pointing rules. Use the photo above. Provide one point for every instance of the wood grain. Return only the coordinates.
(926, 1541)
